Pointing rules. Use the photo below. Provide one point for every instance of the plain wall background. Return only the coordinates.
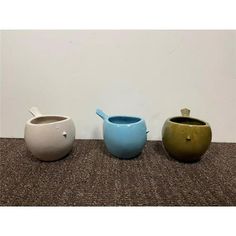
(152, 74)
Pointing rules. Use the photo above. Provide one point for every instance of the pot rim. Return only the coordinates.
(129, 124)
(66, 118)
(206, 124)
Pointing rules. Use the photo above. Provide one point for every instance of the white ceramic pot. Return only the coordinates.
(49, 137)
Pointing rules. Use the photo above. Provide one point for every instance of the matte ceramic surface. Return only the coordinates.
(49, 137)
(124, 136)
(185, 138)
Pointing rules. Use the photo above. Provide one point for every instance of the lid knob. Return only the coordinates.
(185, 112)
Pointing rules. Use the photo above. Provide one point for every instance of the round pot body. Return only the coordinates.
(124, 136)
(50, 138)
(185, 138)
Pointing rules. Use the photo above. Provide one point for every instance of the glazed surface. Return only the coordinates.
(186, 142)
(125, 141)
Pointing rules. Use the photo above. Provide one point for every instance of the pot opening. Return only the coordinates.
(124, 120)
(187, 121)
(47, 119)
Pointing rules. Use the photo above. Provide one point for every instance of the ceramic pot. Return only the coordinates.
(124, 136)
(49, 137)
(186, 138)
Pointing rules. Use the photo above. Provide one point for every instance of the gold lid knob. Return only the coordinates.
(185, 112)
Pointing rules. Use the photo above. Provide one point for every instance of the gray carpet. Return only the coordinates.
(90, 176)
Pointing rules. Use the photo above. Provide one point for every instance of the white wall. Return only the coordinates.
(152, 74)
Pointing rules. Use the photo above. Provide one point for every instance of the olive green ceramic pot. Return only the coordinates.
(185, 138)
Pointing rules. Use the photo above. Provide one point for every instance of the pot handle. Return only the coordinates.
(35, 111)
(185, 112)
(100, 113)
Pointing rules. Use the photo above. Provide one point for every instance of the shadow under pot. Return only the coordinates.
(49, 137)
(124, 136)
(185, 138)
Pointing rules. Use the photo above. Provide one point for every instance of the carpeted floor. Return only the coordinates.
(90, 176)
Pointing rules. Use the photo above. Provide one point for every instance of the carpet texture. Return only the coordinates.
(90, 176)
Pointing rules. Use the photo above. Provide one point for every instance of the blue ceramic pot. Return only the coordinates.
(124, 136)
